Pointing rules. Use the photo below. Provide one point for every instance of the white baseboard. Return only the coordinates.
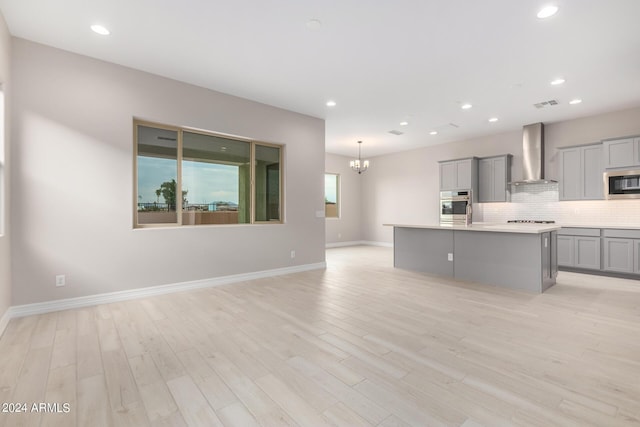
(372, 243)
(358, 243)
(69, 303)
(4, 320)
(343, 244)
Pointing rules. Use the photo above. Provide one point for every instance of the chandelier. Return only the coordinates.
(358, 165)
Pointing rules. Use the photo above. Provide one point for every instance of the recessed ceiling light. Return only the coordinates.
(404, 123)
(493, 119)
(100, 30)
(466, 106)
(575, 101)
(557, 81)
(313, 24)
(433, 132)
(331, 103)
(547, 11)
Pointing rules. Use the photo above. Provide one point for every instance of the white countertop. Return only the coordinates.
(483, 226)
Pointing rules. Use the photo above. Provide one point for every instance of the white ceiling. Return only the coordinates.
(381, 61)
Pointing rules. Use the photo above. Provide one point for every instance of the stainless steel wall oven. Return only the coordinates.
(455, 206)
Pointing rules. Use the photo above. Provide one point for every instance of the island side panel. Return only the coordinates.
(424, 250)
(511, 260)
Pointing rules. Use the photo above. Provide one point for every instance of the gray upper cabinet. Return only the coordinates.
(622, 153)
(569, 174)
(494, 173)
(448, 176)
(459, 174)
(580, 173)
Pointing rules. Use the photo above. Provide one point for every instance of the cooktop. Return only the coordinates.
(531, 221)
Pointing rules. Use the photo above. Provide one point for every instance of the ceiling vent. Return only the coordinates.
(396, 132)
(545, 104)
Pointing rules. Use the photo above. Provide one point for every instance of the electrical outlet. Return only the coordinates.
(450, 256)
(293, 254)
(60, 280)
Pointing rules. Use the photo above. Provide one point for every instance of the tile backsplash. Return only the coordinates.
(540, 202)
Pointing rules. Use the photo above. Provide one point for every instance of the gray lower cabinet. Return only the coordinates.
(617, 251)
(579, 251)
(618, 255)
(565, 251)
(580, 173)
(494, 173)
(587, 252)
(579, 247)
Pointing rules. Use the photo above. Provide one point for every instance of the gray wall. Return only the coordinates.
(347, 228)
(5, 255)
(72, 180)
(403, 187)
(588, 130)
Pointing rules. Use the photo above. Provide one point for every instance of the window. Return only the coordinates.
(157, 166)
(216, 180)
(331, 195)
(267, 188)
(187, 177)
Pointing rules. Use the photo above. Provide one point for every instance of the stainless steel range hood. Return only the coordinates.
(533, 155)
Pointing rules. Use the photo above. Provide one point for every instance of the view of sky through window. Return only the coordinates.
(330, 188)
(205, 182)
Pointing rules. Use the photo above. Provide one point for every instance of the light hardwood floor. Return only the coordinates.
(357, 344)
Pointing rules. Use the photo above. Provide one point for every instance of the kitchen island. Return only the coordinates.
(516, 256)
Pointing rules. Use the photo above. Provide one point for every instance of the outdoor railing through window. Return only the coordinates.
(186, 177)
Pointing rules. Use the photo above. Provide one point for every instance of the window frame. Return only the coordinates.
(3, 161)
(179, 158)
(338, 193)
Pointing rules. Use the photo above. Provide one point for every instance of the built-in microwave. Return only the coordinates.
(455, 207)
(623, 184)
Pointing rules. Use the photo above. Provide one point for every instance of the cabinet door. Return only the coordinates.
(587, 252)
(636, 143)
(619, 153)
(570, 174)
(592, 170)
(546, 256)
(618, 255)
(565, 251)
(463, 174)
(500, 179)
(554, 254)
(636, 256)
(486, 181)
(448, 176)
